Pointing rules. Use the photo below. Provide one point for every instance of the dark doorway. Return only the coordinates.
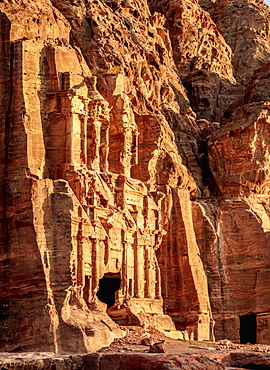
(248, 329)
(86, 289)
(108, 285)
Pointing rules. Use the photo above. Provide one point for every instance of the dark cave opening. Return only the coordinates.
(108, 286)
(248, 329)
(255, 367)
(203, 162)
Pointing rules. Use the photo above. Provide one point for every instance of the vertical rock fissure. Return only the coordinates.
(7, 131)
(208, 177)
(6, 65)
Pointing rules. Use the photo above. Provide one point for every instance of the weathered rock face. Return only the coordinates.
(96, 173)
(122, 201)
(196, 45)
(241, 174)
(245, 27)
(118, 361)
(202, 57)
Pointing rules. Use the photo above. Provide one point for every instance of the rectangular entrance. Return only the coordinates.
(248, 329)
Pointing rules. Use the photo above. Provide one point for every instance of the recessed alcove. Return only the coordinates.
(248, 329)
(108, 286)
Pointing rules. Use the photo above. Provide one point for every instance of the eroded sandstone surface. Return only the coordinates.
(134, 171)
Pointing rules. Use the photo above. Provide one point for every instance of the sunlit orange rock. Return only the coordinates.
(134, 176)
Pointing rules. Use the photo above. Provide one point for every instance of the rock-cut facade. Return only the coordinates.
(134, 170)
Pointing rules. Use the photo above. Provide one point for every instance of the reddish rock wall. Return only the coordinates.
(134, 173)
(245, 27)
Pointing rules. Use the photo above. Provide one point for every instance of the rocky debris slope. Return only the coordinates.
(134, 171)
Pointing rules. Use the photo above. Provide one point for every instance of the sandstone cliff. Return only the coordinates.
(134, 171)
